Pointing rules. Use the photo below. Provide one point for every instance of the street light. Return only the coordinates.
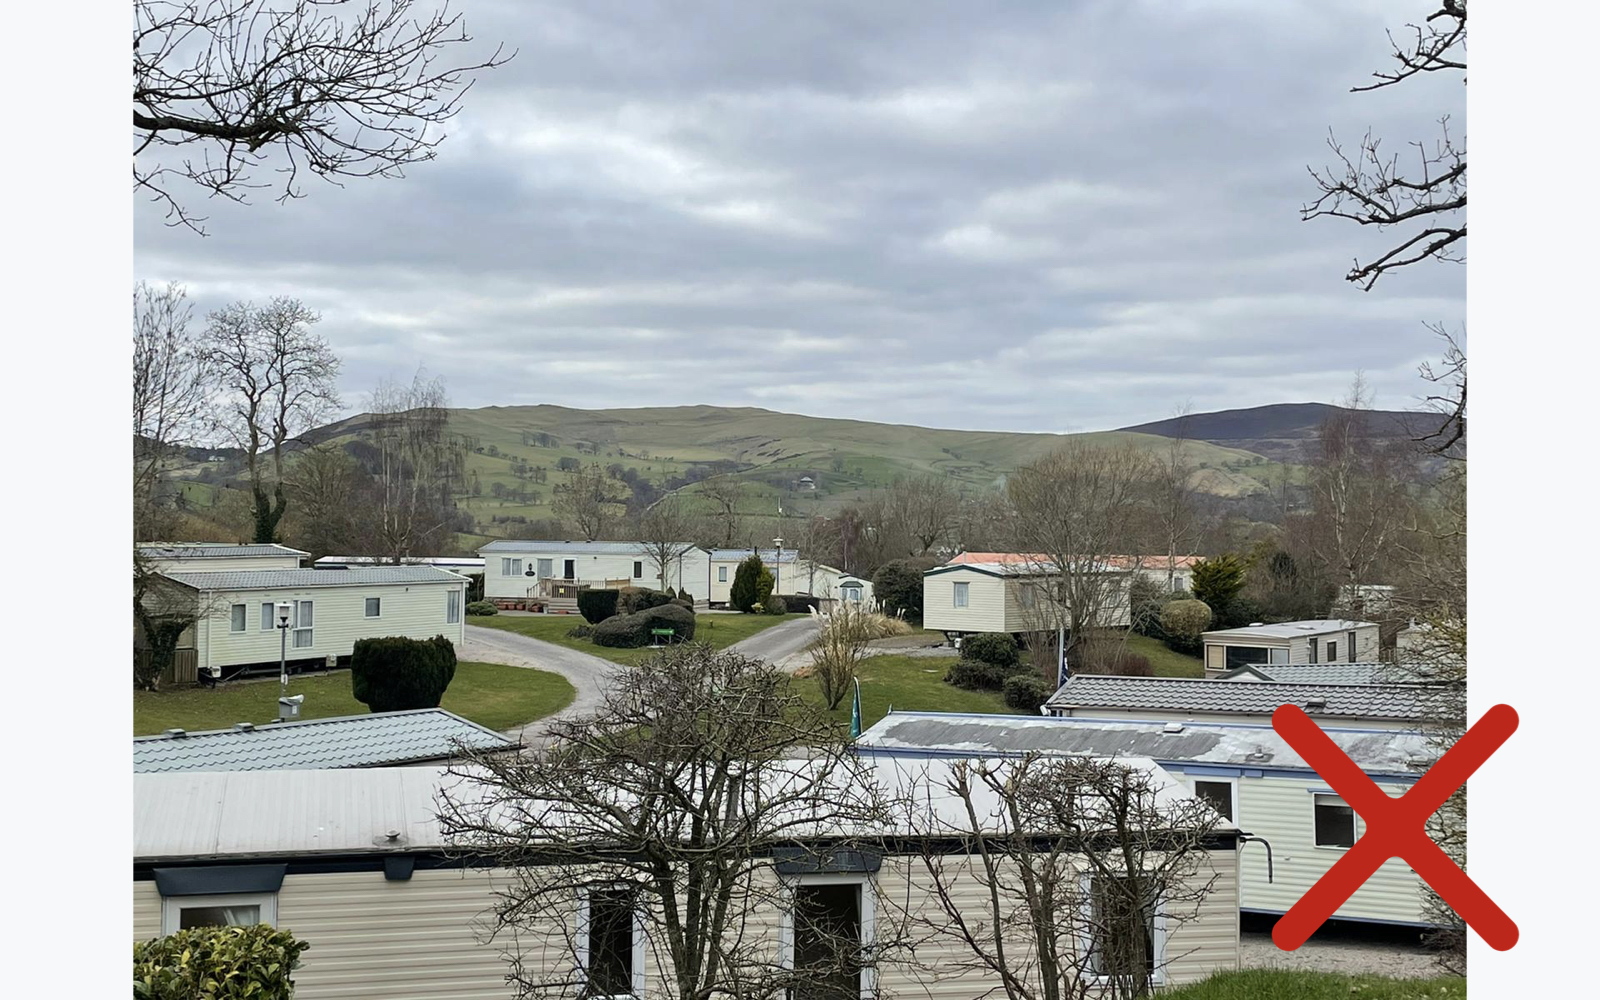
(287, 709)
(777, 566)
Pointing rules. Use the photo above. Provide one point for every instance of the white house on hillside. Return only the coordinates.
(1323, 640)
(516, 569)
(211, 557)
(792, 573)
(330, 610)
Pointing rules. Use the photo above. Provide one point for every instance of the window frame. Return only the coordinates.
(510, 565)
(638, 569)
(960, 593)
(581, 949)
(722, 574)
(269, 616)
(1355, 820)
(239, 613)
(452, 607)
(1333, 651)
(172, 907)
(1158, 935)
(1215, 779)
(868, 986)
(367, 603)
(1278, 656)
(308, 630)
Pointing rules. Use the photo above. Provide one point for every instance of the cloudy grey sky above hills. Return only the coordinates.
(1047, 216)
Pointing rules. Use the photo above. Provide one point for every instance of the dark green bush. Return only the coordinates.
(218, 963)
(580, 632)
(802, 602)
(482, 608)
(684, 595)
(632, 600)
(775, 605)
(597, 604)
(1026, 692)
(997, 648)
(395, 673)
(681, 602)
(633, 631)
(1217, 581)
(745, 593)
(897, 586)
(976, 675)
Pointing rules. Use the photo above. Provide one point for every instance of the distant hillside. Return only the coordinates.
(1283, 431)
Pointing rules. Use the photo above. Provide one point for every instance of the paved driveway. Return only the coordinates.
(783, 644)
(588, 674)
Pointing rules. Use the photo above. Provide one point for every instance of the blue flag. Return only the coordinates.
(855, 711)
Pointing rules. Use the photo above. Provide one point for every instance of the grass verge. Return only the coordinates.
(719, 630)
(1283, 984)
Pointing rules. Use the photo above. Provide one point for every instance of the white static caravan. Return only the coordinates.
(465, 565)
(330, 610)
(516, 569)
(1401, 707)
(1152, 568)
(306, 849)
(1012, 597)
(792, 573)
(1246, 772)
(217, 557)
(1321, 640)
(854, 590)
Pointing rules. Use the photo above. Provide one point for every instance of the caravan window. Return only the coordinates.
(722, 574)
(179, 913)
(1335, 822)
(302, 624)
(269, 616)
(638, 569)
(828, 938)
(1124, 931)
(452, 607)
(959, 596)
(607, 941)
(236, 618)
(510, 567)
(1216, 794)
(374, 607)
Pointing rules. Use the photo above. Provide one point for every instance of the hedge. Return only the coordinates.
(218, 963)
(395, 673)
(633, 631)
(597, 604)
(1026, 692)
(976, 675)
(997, 648)
(802, 602)
(482, 608)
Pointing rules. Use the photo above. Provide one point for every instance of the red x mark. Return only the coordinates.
(1395, 827)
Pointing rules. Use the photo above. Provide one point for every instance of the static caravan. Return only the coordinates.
(465, 565)
(1013, 597)
(1248, 773)
(1322, 640)
(515, 569)
(854, 590)
(792, 573)
(1152, 568)
(1184, 699)
(329, 610)
(355, 863)
(215, 557)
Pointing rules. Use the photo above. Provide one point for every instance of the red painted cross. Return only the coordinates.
(1395, 827)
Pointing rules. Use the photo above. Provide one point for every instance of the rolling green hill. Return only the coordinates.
(769, 451)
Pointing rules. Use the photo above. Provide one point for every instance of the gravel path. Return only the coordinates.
(1348, 956)
(588, 674)
(783, 644)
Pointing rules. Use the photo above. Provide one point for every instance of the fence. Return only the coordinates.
(185, 667)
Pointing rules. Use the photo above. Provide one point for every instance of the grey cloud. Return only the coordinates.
(1035, 216)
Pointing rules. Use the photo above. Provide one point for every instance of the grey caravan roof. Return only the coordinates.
(376, 739)
(214, 550)
(1175, 694)
(299, 579)
(522, 547)
(1215, 743)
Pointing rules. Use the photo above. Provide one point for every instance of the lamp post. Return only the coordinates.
(777, 567)
(285, 614)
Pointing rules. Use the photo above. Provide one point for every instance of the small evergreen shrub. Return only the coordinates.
(996, 648)
(802, 602)
(684, 595)
(597, 604)
(897, 586)
(764, 585)
(744, 593)
(482, 608)
(632, 600)
(1026, 692)
(580, 631)
(218, 963)
(396, 673)
(774, 605)
(977, 675)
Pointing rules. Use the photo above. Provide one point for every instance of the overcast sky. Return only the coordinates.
(1021, 216)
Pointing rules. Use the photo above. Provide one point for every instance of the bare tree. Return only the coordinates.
(665, 529)
(678, 801)
(838, 648)
(1172, 497)
(984, 523)
(169, 398)
(1427, 200)
(925, 508)
(1077, 508)
(418, 464)
(1360, 494)
(331, 498)
(590, 499)
(223, 89)
(725, 495)
(277, 380)
(1075, 861)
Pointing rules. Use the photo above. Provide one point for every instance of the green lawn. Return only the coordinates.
(1164, 661)
(907, 683)
(1279, 984)
(719, 630)
(489, 694)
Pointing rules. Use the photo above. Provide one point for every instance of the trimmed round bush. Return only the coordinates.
(976, 675)
(1185, 619)
(633, 631)
(597, 604)
(997, 648)
(221, 963)
(775, 605)
(395, 673)
(1025, 692)
(482, 608)
(632, 600)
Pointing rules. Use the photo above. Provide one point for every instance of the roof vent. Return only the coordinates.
(1172, 727)
(1256, 624)
(391, 834)
(176, 734)
(244, 727)
(1316, 703)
